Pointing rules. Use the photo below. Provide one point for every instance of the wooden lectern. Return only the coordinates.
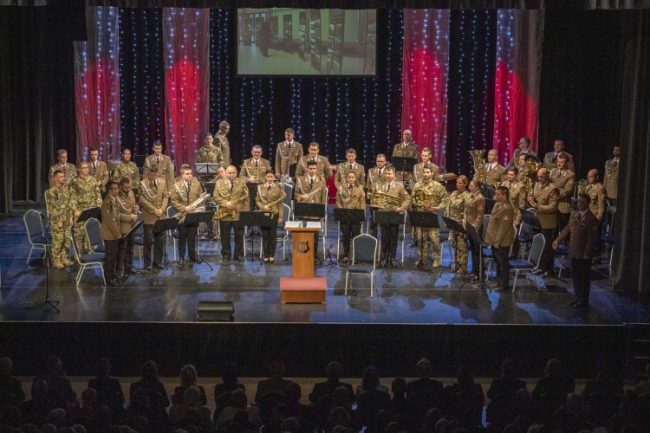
(302, 287)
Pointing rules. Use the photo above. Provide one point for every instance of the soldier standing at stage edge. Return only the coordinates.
(60, 208)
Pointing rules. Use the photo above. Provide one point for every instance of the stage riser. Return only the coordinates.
(306, 348)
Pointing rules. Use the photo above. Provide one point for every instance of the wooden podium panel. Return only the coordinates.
(302, 287)
(303, 251)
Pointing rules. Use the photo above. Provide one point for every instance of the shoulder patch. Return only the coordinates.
(505, 217)
(572, 180)
(555, 196)
(481, 207)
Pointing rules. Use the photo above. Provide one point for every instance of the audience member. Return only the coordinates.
(141, 406)
(40, 404)
(370, 381)
(189, 377)
(466, 396)
(295, 408)
(276, 383)
(150, 382)
(10, 386)
(424, 382)
(181, 415)
(507, 384)
(643, 388)
(554, 386)
(322, 389)
(60, 389)
(230, 381)
(603, 383)
(109, 390)
(239, 402)
(398, 404)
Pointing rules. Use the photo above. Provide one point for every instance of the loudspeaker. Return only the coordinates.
(214, 311)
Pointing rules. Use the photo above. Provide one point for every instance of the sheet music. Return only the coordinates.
(313, 225)
(292, 224)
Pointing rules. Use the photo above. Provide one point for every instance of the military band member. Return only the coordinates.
(85, 192)
(350, 196)
(109, 231)
(597, 194)
(389, 231)
(222, 142)
(127, 168)
(516, 192)
(526, 176)
(232, 193)
(311, 189)
(583, 233)
(69, 170)
(98, 169)
(474, 212)
(418, 176)
(153, 201)
(610, 179)
(60, 208)
(374, 178)
(128, 217)
(524, 149)
(288, 153)
(500, 234)
(184, 193)
(564, 180)
(550, 159)
(164, 164)
(323, 168)
(254, 169)
(209, 153)
(270, 198)
(495, 172)
(405, 149)
(350, 165)
(456, 210)
(544, 200)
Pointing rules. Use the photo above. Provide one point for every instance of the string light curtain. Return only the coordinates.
(519, 63)
(424, 79)
(186, 53)
(141, 78)
(97, 83)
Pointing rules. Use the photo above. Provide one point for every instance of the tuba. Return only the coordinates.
(533, 163)
(384, 201)
(480, 173)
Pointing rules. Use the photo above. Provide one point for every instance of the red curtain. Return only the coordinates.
(97, 84)
(518, 76)
(424, 79)
(186, 45)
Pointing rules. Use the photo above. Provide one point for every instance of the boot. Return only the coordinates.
(67, 262)
(57, 264)
(436, 263)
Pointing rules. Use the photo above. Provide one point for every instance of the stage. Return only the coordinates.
(402, 296)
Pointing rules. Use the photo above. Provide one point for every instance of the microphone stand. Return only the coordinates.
(47, 256)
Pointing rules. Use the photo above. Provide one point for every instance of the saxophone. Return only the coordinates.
(181, 216)
(225, 212)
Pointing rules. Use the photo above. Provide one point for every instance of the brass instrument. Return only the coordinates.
(384, 201)
(533, 163)
(273, 203)
(582, 186)
(181, 216)
(479, 165)
(225, 212)
(426, 200)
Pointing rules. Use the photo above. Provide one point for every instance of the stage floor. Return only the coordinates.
(401, 296)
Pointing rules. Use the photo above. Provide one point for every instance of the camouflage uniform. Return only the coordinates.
(441, 201)
(456, 211)
(209, 154)
(60, 207)
(87, 195)
(221, 142)
(129, 170)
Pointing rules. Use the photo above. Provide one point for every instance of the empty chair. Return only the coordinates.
(88, 261)
(36, 233)
(171, 212)
(444, 234)
(531, 264)
(364, 259)
(92, 234)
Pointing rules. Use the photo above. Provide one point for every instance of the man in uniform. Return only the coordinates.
(311, 189)
(109, 231)
(127, 168)
(184, 193)
(128, 217)
(69, 170)
(516, 194)
(164, 164)
(389, 231)
(439, 200)
(153, 200)
(610, 180)
(98, 169)
(564, 180)
(60, 208)
(494, 172)
(583, 232)
(209, 153)
(550, 159)
(287, 154)
(524, 149)
(526, 176)
(323, 168)
(405, 149)
(85, 192)
(418, 176)
(350, 165)
(597, 194)
(222, 142)
(232, 193)
(253, 171)
(500, 234)
(375, 177)
(545, 201)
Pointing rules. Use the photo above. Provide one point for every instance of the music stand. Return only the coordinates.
(206, 168)
(292, 170)
(475, 237)
(456, 226)
(403, 164)
(309, 210)
(195, 218)
(348, 216)
(254, 219)
(382, 217)
(424, 219)
(93, 212)
(162, 226)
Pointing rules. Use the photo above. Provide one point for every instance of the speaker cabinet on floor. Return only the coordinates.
(214, 311)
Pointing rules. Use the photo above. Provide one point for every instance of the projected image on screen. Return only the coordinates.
(285, 41)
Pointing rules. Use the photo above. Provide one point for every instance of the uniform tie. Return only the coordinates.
(157, 159)
(350, 188)
(257, 163)
(311, 182)
(268, 188)
(350, 166)
(232, 185)
(94, 166)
